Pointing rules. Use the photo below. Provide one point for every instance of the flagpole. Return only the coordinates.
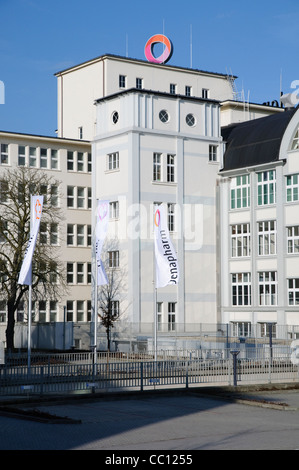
(30, 303)
(29, 328)
(155, 325)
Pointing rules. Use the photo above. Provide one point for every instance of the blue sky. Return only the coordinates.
(256, 40)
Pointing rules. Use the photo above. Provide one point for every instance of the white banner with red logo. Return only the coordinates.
(167, 267)
(101, 231)
(25, 276)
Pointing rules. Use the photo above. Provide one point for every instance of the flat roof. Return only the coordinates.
(143, 62)
(156, 93)
(45, 137)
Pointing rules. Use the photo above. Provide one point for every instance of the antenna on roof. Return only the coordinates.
(191, 46)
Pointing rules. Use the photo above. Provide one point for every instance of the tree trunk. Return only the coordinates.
(10, 325)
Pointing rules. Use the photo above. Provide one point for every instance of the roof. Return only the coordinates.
(254, 142)
(144, 62)
(163, 94)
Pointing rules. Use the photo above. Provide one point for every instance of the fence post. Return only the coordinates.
(41, 380)
(187, 377)
(141, 376)
(235, 354)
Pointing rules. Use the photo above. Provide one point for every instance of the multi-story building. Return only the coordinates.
(259, 220)
(69, 162)
(152, 134)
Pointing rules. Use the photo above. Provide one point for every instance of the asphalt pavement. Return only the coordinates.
(168, 423)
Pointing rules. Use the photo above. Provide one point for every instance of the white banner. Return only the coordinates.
(101, 231)
(25, 276)
(167, 267)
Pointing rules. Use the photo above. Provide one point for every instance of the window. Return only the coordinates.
(115, 117)
(241, 329)
(70, 160)
(89, 163)
(265, 329)
(43, 158)
(53, 273)
(80, 273)
(139, 83)
(157, 167)
(22, 155)
(43, 237)
(80, 161)
(240, 240)
(205, 93)
(113, 161)
(4, 154)
(80, 132)
(70, 196)
(32, 157)
(266, 186)
(163, 116)
(268, 288)
(172, 89)
(170, 168)
(188, 90)
(42, 311)
(113, 257)
(293, 239)
(54, 159)
(80, 235)
(171, 316)
(241, 289)
(115, 308)
(213, 151)
(54, 195)
(190, 120)
(69, 310)
(2, 311)
(114, 210)
(70, 234)
(48, 233)
(53, 310)
(292, 186)
(267, 238)
(171, 217)
(240, 192)
(80, 198)
(293, 291)
(53, 234)
(122, 81)
(70, 273)
(80, 310)
(295, 143)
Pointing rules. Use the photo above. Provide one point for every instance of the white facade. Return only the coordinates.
(69, 162)
(260, 239)
(78, 87)
(138, 137)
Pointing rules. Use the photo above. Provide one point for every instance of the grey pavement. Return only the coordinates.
(180, 422)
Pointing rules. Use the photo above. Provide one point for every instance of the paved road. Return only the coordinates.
(182, 423)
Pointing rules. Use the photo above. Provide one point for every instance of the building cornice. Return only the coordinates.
(141, 62)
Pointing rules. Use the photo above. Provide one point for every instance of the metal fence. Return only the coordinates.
(83, 374)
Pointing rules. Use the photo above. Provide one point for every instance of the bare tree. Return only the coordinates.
(48, 280)
(111, 295)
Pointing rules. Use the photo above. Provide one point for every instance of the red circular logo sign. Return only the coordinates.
(166, 54)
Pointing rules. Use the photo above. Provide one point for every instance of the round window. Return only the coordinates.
(190, 120)
(163, 116)
(115, 117)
